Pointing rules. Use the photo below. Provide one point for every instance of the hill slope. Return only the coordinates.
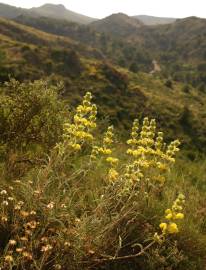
(47, 10)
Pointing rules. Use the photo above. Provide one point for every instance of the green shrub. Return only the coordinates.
(31, 118)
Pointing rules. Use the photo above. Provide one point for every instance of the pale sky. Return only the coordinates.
(103, 8)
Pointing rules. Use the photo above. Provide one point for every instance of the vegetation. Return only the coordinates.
(81, 186)
(131, 44)
(91, 201)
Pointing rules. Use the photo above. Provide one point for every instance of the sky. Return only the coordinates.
(103, 8)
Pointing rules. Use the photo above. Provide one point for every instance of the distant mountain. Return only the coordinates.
(117, 24)
(152, 20)
(47, 10)
(184, 40)
(60, 12)
(10, 12)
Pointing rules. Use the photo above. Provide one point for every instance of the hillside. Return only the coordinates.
(119, 51)
(38, 53)
(180, 47)
(183, 34)
(27, 54)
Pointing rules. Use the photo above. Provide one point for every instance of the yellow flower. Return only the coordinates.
(19, 250)
(5, 203)
(76, 146)
(9, 259)
(50, 205)
(163, 227)
(24, 214)
(27, 255)
(159, 178)
(179, 216)
(4, 219)
(107, 151)
(24, 239)
(32, 224)
(107, 140)
(172, 228)
(46, 248)
(113, 174)
(112, 160)
(168, 216)
(168, 211)
(3, 192)
(162, 166)
(12, 242)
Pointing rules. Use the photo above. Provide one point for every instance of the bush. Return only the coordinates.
(31, 118)
(168, 83)
(186, 88)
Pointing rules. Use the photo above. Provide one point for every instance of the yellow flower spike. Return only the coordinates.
(80, 131)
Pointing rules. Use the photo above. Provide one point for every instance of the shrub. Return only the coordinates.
(31, 120)
(168, 83)
(186, 88)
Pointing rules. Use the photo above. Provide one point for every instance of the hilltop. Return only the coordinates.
(60, 12)
(47, 10)
(119, 25)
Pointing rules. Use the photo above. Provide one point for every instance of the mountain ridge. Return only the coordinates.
(52, 10)
(61, 12)
(47, 10)
(154, 20)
